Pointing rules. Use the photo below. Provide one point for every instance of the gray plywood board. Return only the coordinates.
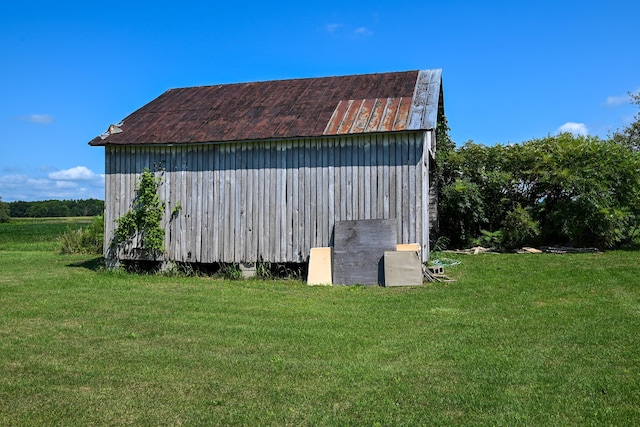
(358, 251)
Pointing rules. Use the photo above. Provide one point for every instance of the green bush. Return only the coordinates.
(86, 240)
(462, 207)
(562, 189)
(489, 239)
(519, 229)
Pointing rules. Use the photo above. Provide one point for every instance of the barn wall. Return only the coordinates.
(274, 200)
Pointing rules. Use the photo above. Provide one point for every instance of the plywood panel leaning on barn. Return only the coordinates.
(320, 266)
(402, 268)
(359, 248)
(262, 171)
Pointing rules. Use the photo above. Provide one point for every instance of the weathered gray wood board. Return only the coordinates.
(275, 200)
(359, 249)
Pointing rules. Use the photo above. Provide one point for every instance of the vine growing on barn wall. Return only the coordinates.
(143, 220)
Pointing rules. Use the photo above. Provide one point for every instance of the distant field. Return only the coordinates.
(517, 340)
(39, 234)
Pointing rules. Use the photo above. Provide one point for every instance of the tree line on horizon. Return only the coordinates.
(50, 208)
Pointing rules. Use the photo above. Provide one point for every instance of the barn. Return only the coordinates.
(261, 171)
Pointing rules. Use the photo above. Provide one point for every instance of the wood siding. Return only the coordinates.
(274, 200)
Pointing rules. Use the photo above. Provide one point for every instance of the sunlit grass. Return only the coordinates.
(517, 340)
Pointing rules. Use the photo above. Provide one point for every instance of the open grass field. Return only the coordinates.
(517, 340)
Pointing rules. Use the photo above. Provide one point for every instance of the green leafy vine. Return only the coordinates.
(143, 220)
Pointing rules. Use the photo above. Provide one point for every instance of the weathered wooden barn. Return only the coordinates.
(261, 171)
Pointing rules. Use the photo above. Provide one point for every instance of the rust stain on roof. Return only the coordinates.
(369, 115)
(283, 109)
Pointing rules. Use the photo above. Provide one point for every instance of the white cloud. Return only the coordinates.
(574, 128)
(78, 173)
(40, 119)
(342, 30)
(75, 183)
(331, 28)
(614, 101)
(362, 31)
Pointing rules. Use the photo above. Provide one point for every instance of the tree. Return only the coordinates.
(630, 135)
(4, 211)
(556, 190)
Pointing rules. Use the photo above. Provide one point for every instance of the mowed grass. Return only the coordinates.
(517, 340)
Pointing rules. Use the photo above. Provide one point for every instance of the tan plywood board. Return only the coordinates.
(408, 247)
(320, 261)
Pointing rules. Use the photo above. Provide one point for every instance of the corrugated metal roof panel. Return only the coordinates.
(369, 115)
(285, 109)
(402, 116)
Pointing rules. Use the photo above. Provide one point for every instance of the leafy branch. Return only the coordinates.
(143, 220)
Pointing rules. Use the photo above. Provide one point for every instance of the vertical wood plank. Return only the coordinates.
(348, 171)
(277, 167)
(399, 200)
(282, 204)
(417, 173)
(357, 156)
(185, 190)
(405, 189)
(325, 195)
(216, 206)
(426, 200)
(238, 214)
(308, 233)
(373, 179)
(241, 237)
(312, 194)
(302, 191)
(344, 193)
(250, 252)
(295, 199)
(172, 169)
(412, 187)
(271, 193)
(207, 194)
(109, 191)
(385, 176)
(290, 203)
(359, 177)
(331, 194)
(226, 219)
(392, 176)
(198, 227)
(316, 195)
(126, 180)
(262, 210)
(367, 178)
(218, 201)
(166, 198)
(379, 178)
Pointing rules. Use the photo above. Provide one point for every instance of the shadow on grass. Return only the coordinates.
(94, 264)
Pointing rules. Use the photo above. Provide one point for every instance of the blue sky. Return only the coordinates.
(512, 71)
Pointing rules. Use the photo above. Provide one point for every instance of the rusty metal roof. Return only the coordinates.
(282, 109)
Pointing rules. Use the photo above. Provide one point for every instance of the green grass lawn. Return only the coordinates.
(517, 340)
